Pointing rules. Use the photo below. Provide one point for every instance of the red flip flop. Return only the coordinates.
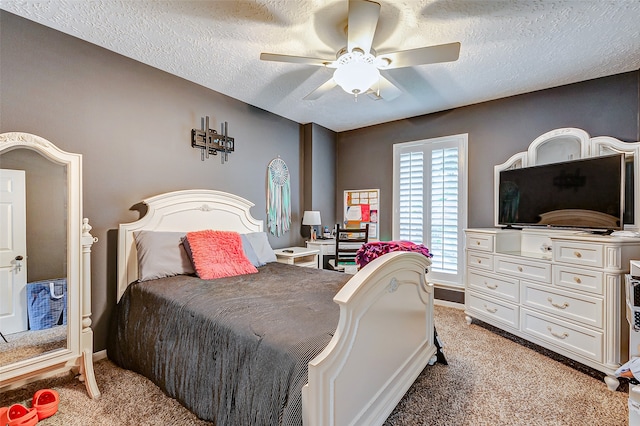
(45, 401)
(18, 415)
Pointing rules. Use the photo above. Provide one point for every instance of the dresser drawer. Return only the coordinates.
(520, 268)
(503, 312)
(578, 279)
(584, 309)
(503, 287)
(480, 260)
(477, 241)
(579, 253)
(574, 338)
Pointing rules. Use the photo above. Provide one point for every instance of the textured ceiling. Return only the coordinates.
(508, 47)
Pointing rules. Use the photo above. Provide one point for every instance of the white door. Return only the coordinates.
(13, 252)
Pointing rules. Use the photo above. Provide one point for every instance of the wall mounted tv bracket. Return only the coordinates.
(211, 142)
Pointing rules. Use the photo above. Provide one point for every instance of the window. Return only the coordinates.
(430, 201)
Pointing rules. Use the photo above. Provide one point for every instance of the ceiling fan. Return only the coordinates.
(357, 66)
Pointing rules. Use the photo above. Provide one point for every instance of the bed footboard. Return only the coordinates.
(383, 341)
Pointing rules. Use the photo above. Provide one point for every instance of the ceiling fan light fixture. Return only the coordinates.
(358, 65)
(356, 72)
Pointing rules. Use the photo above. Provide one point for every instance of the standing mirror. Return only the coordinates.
(45, 289)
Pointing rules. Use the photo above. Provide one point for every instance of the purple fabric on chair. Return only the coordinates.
(371, 251)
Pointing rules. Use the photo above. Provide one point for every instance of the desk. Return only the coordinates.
(325, 248)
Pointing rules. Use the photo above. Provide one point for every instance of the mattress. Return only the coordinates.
(234, 350)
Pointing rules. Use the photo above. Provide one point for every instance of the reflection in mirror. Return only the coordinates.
(605, 145)
(562, 148)
(33, 250)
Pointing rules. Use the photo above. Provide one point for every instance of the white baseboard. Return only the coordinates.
(448, 304)
(97, 356)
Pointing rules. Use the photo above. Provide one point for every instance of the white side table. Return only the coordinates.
(324, 247)
(299, 256)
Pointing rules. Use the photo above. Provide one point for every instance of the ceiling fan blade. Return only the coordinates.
(385, 89)
(295, 59)
(362, 22)
(422, 55)
(324, 88)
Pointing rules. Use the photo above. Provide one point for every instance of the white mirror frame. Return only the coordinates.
(570, 144)
(78, 355)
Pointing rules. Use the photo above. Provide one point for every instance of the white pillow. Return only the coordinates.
(261, 246)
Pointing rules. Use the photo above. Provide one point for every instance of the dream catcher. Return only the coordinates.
(278, 197)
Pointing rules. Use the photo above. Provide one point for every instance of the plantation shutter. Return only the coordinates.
(444, 209)
(430, 201)
(411, 197)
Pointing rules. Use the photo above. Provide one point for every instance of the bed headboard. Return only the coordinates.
(188, 210)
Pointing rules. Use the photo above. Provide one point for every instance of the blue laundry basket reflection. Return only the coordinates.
(47, 303)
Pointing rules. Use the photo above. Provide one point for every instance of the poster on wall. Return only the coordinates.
(361, 207)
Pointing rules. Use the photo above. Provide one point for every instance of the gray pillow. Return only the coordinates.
(250, 252)
(261, 246)
(161, 254)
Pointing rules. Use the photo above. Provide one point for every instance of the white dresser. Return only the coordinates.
(563, 290)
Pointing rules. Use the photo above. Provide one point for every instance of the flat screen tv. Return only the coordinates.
(587, 193)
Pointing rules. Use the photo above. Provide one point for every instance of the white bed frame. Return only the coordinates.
(385, 334)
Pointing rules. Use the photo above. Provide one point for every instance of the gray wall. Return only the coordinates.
(603, 107)
(319, 173)
(132, 124)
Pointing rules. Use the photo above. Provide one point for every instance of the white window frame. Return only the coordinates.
(460, 141)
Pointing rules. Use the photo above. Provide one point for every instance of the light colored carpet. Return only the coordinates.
(490, 380)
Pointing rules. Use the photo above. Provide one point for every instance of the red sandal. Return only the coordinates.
(18, 415)
(45, 402)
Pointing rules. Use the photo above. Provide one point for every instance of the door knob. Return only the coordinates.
(19, 260)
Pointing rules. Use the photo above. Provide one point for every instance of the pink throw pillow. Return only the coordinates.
(218, 254)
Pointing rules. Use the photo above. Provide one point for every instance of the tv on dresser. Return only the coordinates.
(585, 193)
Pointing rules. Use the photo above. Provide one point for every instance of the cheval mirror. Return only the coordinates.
(45, 264)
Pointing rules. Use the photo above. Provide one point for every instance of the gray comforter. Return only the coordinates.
(233, 350)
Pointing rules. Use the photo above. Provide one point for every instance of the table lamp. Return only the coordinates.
(311, 218)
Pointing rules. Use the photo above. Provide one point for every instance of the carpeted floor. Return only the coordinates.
(490, 380)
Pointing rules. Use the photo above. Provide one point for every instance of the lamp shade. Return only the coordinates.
(311, 217)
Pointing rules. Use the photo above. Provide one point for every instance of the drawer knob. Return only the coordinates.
(577, 254)
(479, 261)
(558, 335)
(491, 310)
(577, 280)
(565, 305)
(520, 269)
(477, 243)
(492, 287)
